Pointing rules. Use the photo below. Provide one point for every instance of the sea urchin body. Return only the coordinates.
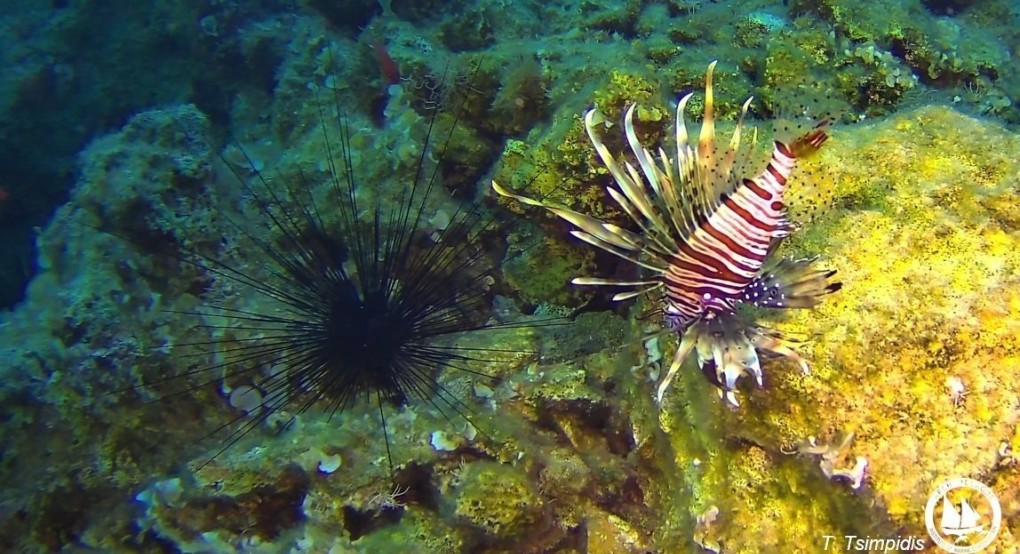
(353, 302)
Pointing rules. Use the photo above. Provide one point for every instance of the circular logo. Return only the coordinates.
(963, 516)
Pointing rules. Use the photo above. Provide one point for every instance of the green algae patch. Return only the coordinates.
(541, 272)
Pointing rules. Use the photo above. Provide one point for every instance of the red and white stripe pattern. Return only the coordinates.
(711, 268)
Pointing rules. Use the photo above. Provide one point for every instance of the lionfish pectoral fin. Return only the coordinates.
(646, 286)
(791, 284)
(706, 139)
(682, 352)
(598, 233)
(776, 344)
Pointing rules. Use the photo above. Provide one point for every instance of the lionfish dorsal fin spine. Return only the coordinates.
(657, 243)
(726, 169)
(674, 209)
(632, 258)
(697, 202)
(629, 181)
(639, 151)
(735, 141)
(706, 140)
(685, 192)
(682, 138)
(652, 173)
(601, 281)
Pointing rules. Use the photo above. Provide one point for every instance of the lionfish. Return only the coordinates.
(707, 236)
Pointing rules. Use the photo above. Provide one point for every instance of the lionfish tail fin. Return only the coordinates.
(791, 284)
(803, 115)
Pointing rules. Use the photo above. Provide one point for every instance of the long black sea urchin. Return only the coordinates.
(359, 303)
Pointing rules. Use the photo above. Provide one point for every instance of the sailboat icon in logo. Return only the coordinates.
(959, 523)
(963, 529)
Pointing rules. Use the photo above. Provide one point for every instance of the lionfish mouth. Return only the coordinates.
(706, 232)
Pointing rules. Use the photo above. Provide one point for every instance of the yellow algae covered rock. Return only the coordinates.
(609, 534)
(498, 499)
(919, 354)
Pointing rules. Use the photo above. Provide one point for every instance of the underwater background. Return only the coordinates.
(121, 118)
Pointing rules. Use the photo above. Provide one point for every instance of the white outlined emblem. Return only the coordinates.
(969, 516)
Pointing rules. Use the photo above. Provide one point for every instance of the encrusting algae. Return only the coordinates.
(931, 292)
(930, 255)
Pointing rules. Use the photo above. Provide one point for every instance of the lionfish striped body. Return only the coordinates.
(707, 237)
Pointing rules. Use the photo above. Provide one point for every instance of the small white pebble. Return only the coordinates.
(329, 464)
(483, 391)
(247, 399)
(957, 390)
(441, 220)
(857, 473)
(442, 443)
